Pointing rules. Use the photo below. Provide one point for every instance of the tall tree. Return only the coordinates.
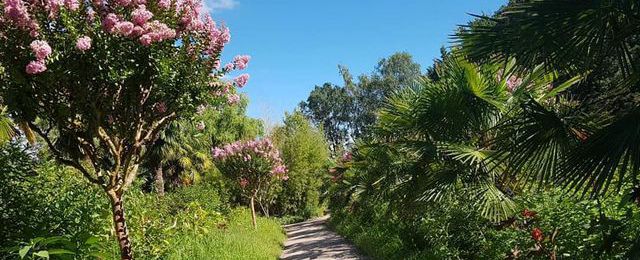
(305, 152)
(331, 107)
(98, 80)
(347, 113)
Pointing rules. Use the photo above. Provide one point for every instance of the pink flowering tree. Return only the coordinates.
(98, 80)
(252, 165)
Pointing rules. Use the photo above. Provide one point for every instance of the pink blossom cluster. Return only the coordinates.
(513, 83)
(16, 11)
(41, 50)
(241, 80)
(245, 151)
(146, 32)
(141, 21)
(83, 43)
(233, 99)
(241, 61)
(347, 156)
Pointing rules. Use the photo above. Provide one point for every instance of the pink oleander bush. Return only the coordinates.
(252, 165)
(102, 79)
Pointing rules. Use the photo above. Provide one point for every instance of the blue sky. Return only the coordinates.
(296, 45)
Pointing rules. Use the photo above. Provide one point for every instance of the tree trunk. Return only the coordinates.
(120, 224)
(159, 179)
(253, 213)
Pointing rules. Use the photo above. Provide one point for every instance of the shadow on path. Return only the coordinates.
(312, 239)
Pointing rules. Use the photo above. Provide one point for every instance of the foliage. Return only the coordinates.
(330, 107)
(576, 38)
(456, 230)
(306, 154)
(43, 199)
(347, 113)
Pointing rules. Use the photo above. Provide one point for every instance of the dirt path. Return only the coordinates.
(313, 240)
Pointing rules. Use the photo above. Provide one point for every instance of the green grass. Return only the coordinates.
(238, 240)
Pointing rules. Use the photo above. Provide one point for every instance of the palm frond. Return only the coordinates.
(610, 155)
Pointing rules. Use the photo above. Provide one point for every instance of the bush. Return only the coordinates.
(44, 199)
(306, 154)
(452, 229)
(48, 208)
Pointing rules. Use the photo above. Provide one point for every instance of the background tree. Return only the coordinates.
(252, 165)
(99, 80)
(306, 154)
(346, 113)
(331, 107)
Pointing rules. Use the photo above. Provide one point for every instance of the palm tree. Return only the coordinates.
(180, 153)
(434, 142)
(7, 130)
(591, 143)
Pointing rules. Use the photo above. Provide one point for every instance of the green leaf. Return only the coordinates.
(61, 252)
(42, 253)
(564, 86)
(23, 251)
(92, 240)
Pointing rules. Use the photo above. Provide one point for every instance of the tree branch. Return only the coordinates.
(61, 158)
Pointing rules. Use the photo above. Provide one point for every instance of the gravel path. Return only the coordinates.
(313, 240)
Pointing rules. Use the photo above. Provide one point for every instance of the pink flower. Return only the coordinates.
(513, 83)
(72, 5)
(124, 28)
(156, 31)
(347, 157)
(110, 22)
(36, 67)
(164, 4)
(40, 49)
(228, 67)
(123, 2)
(141, 15)
(218, 153)
(233, 99)
(241, 80)
(16, 11)
(91, 15)
(53, 7)
(83, 43)
(241, 61)
(145, 40)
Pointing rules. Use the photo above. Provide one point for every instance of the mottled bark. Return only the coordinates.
(120, 225)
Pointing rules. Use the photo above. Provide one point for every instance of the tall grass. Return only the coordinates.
(237, 240)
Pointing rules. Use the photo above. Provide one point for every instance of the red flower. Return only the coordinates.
(529, 213)
(537, 235)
